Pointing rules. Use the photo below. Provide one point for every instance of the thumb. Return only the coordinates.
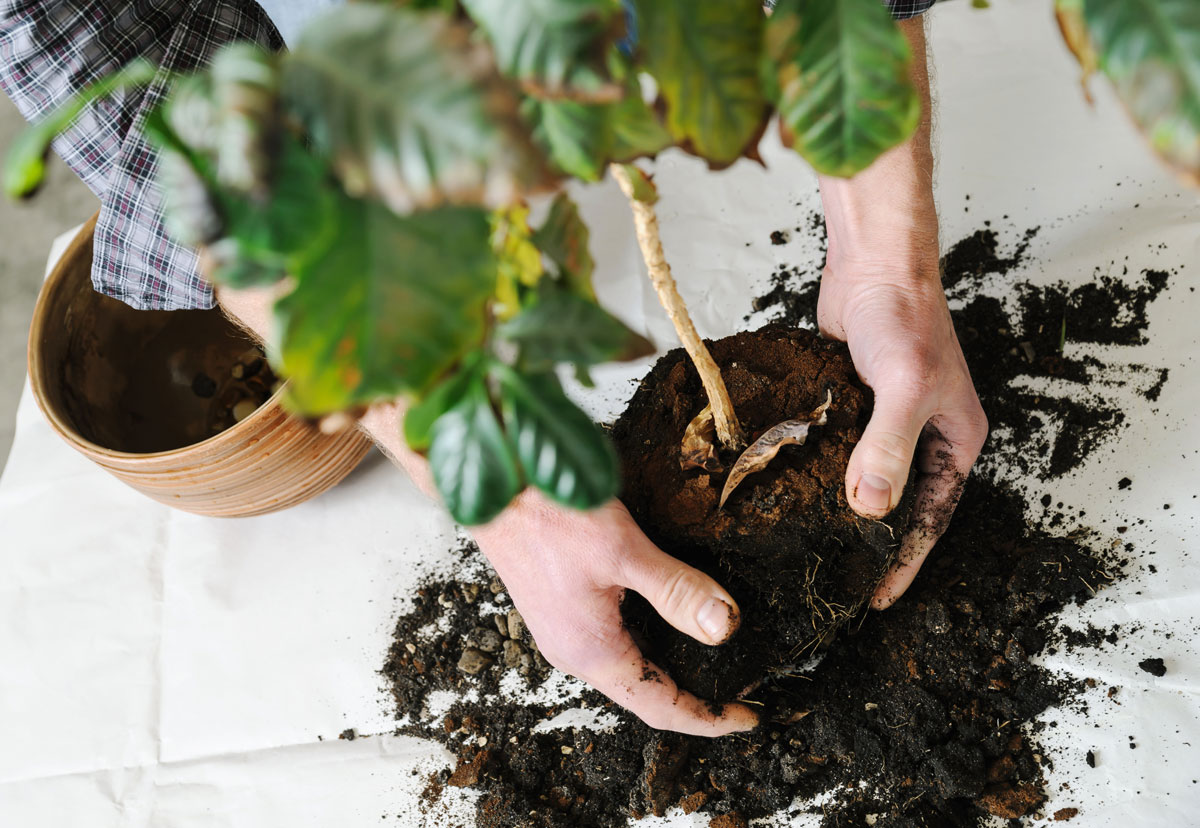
(878, 468)
(685, 597)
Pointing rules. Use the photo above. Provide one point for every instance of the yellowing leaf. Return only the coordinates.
(764, 449)
(699, 449)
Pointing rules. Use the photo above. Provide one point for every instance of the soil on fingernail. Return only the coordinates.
(930, 713)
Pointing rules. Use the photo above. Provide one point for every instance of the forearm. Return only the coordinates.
(888, 209)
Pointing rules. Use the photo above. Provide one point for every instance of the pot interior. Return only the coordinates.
(135, 381)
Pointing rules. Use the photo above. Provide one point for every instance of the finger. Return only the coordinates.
(949, 451)
(685, 597)
(878, 468)
(631, 681)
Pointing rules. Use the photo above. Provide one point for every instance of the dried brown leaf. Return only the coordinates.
(699, 450)
(764, 449)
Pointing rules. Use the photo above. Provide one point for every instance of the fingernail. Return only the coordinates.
(874, 492)
(714, 619)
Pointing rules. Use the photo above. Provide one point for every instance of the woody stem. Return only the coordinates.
(729, 430)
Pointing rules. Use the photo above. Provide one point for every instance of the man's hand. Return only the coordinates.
(881, 293)
(566, 572)
(903, 344)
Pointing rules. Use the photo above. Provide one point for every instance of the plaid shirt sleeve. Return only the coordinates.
(50, 49)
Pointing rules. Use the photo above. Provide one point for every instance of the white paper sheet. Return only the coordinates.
(161, 669)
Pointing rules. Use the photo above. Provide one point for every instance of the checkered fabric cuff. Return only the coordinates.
(51, 49)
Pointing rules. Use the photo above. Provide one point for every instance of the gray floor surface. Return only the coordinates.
(26, 230)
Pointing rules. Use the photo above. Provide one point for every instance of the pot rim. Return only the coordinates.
(81, 245)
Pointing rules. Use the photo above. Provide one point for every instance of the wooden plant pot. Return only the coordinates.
(119, 385)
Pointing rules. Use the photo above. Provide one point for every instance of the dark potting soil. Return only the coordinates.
(795, 557)
(923, 715)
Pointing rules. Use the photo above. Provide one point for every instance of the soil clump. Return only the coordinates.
(795, 557)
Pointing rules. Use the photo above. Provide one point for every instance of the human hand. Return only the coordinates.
(566, 572)
(896, 322)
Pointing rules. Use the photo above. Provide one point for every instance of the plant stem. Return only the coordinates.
(729, 430)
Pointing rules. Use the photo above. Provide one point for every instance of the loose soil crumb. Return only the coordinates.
(925, 715)
(1154, 666)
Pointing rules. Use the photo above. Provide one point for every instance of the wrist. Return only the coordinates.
(880, 223)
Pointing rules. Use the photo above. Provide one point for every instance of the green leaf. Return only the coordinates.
(555, 48)
(1151, 51)
(564, 239)
(705, 57)
(387, 308)
(578, 138)
(25, 163)
(245, 93)
(561, 450)
(841, 68)
(409, 108)
(297, 215)
(581, 139)
(472, 462)
(253, 240)
(637, 130)
(421, 416)
(564, 327)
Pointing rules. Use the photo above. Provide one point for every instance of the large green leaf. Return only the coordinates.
(1151, 51)
(563, 238)
(840, 69)
(561, 450)
(472, 462)
(562, 326)
(25, 162)
(409, 108)
(389, 306)
(705, 57)
(555, 48)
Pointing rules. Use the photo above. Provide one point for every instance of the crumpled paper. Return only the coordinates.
(161, 669)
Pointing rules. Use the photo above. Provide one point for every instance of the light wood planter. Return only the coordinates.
(117, 384)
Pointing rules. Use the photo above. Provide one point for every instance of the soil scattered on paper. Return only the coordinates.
(923, 715)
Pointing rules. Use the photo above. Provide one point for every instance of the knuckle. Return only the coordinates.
(889, 449)
(676, 591)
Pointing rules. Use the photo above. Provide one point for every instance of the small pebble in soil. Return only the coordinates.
(516, 625)
(473, 662)
(1154, 666)
(1091, 758)
(482, 638)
